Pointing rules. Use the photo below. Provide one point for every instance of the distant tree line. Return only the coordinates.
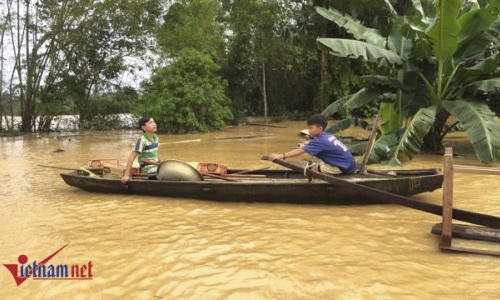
(70, 57)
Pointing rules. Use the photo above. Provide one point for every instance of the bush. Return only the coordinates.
(187, 96)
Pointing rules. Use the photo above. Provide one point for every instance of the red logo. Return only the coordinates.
(43, 271)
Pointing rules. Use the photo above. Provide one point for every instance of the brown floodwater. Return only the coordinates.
(143, 247)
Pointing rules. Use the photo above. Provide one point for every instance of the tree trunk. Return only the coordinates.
(433, 141)
(322, 100)
(264, 94)
(402, 7)
(29, 104)
(323, 94)
(1, 113)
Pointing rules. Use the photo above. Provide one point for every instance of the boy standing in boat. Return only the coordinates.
(325, 146)
(146, 149)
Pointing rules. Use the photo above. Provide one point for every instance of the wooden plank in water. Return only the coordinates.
(245, 137)
(476, 170)
(266, 125)
(470, 232)
(470, 250)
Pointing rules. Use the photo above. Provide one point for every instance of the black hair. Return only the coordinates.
(318, 120)
(143, 120)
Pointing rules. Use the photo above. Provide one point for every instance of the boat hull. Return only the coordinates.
(274, 186)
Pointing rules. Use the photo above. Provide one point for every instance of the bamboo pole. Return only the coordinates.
(181, 142)
(369, 146)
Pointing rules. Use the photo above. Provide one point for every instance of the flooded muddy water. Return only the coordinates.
(144, 247)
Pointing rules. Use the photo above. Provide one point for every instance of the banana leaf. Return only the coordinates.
(478, 45)
(413, 137)
(389, 6)
(419, 11)
(486, 65)
(382, 80)
(444, 33)
(337, 106)
(488, 85)
(353, 26)
(362, 97)
(397, 42)
(355, 49)
(477, 20)
(481, 126)
(381, 150)
(390, 117)
(348, 123)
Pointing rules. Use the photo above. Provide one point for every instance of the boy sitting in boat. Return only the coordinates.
(146, 149)
(334, 154)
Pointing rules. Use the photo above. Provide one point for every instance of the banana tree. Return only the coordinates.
(440, 66)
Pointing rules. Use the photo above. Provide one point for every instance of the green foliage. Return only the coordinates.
(353, 26)
(442, 65)
(192, 24)
(481, 126)
(382, 148)
(188, 95)
(412, 139)
(347, 123)
(355, 49)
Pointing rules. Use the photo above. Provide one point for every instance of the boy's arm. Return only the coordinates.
(285, 155)
(128, 168)
(151, 161)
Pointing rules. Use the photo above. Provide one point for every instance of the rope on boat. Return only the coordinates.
(309, 165)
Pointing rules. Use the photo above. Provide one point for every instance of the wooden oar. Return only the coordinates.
(250, 171)
(89, 173)
(364, 191)
(58, 168)
(244, 175)
(219, 177)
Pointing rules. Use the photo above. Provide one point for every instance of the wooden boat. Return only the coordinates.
(270, 186)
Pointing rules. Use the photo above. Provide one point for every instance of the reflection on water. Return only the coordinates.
(157, 248)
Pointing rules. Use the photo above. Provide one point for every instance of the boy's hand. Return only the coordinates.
(125, 179)
(275, 156)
